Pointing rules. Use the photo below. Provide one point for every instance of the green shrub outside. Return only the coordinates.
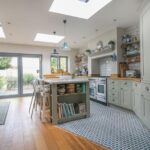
(11, 82)
(28, 78)
(2, 82)
(5, 63)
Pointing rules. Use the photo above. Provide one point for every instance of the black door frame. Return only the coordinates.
(20, 71)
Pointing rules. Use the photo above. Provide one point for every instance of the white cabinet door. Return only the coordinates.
(126, 98)
(147, 112)
(126, 94)
(139, 106)
(145, 44)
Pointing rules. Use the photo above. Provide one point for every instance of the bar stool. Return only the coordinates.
(45, 101)
(35, 97)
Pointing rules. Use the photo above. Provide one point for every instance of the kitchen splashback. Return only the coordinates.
(106, 66)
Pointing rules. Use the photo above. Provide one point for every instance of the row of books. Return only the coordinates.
(66, 110)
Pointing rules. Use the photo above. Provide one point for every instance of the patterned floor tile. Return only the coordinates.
(115, 128)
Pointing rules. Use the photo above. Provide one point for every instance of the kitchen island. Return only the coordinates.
(69, 99)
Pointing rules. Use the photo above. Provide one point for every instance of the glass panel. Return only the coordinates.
(101, 89)
(8, 76)
(54, 64)
(31, 70)
(63, 63)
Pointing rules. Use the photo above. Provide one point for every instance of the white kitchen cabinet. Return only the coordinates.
(126, 94)
(139, 106)
(137, 103)
(147, 112)
(145, 98)
(145, 43)
(113, 92)
(119, 93)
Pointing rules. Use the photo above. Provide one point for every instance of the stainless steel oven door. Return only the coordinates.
(101, 89)
(93, 88)
(93, 93)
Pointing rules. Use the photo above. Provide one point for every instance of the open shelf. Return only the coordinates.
(133, 62)
(73, 117)
(130, 43)
(69, 94)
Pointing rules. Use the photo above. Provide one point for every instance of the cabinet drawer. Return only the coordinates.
(136, 86)
(112, 89)
(145, 90)
(113, 93)
(113, 100)
(125, 84)
(112, 82)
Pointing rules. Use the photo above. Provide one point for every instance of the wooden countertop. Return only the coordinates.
(65, 81)
(125, 78)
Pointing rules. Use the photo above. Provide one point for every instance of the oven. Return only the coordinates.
(92, 85)
(101, 89)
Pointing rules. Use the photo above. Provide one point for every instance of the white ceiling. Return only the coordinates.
(22, 19)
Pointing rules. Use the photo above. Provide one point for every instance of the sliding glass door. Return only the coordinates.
(17, 71)
(31, 71)
(8, 75)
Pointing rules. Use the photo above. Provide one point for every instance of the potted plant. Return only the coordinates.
(111, 44)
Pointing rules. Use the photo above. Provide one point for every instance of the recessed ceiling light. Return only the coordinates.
(78, 8)
(40, 37)
(2, 34)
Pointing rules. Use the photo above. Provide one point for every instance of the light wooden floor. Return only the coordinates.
(22, 133)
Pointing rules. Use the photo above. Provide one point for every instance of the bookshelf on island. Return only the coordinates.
(69, 100)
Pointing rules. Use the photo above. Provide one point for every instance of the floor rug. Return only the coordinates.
(4, 106)
(112, 127)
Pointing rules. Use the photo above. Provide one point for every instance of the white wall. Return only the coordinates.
(44, 51)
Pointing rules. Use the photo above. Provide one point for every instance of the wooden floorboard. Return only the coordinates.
(20, 132)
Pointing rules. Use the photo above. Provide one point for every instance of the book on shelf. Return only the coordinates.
(67, 110)
(82, 108)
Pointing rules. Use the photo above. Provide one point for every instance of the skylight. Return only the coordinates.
(78, 8)
(2, 34)
(40, 37)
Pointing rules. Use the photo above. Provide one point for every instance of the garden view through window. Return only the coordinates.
(59, 63)
(17, 73)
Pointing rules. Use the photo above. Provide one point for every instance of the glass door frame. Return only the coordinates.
(20, 71)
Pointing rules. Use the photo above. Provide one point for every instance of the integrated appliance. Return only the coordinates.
(98, 89)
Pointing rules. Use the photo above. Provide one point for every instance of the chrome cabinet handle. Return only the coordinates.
(113, 88)
(113, 100)
(125, 83)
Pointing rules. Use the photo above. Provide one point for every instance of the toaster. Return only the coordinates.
(131, 73)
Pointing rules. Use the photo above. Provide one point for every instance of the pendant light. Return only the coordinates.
(65, 44)
(55, 53)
